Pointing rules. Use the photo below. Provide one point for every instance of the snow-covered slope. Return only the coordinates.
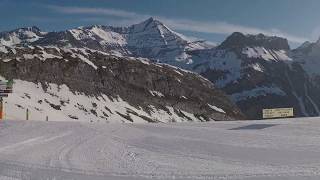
(89, 85)
(59, 103)
(246, 150)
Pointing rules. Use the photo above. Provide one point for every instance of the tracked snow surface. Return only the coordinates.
(247, 150)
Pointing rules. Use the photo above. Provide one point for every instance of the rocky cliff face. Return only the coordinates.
(261, 72)
(83, 84)
(239, 40)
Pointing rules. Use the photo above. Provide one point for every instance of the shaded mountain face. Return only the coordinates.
(261, 72)
(239, 40)
(256, 71)
(83, 84)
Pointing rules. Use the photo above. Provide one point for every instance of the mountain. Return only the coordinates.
(20, 36)
(149, 39)
(90, 85)
(308, 55)
(259, 72)
(255, 71)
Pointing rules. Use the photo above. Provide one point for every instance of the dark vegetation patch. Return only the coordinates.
(201, 117)
(126, 116)
(53, 95)
(73, 117)
(27, 95)
(94, 112)
(181, 114)
(108, 109)
(38, 109)
(19, 106)
(94, 105)
(129, 111)
(81, 107)
(54, 106)
(63, 103)
(105, 114)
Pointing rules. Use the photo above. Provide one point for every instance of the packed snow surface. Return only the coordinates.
(250, 150)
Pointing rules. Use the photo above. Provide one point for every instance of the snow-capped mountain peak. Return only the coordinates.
(20, 36)
(145, 25)
(148, 39)
(153, 33)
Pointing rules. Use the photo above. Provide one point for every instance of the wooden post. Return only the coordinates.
(1, 109)
(27, 114)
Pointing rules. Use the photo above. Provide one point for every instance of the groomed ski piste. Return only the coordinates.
(250, 150)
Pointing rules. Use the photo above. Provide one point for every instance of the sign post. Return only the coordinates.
(5, 90)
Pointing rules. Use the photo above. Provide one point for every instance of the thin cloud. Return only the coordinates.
(178, 24)
(315, 33)
(226, 28)
(93, 11)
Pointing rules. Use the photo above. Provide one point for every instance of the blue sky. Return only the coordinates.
(214, 20)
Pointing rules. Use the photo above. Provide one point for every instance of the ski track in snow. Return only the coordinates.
(286, 149)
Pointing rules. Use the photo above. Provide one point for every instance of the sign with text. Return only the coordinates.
(6, 87)
(5, 91)
(3, 95)
(277, 113)
(3, 86)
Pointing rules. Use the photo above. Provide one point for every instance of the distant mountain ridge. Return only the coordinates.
(256, 71)
(149, 39)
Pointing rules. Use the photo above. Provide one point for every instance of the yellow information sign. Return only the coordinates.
(277, 113)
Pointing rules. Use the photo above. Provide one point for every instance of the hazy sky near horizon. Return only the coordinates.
(213, 20)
